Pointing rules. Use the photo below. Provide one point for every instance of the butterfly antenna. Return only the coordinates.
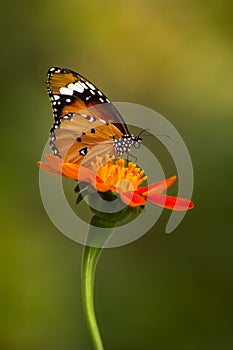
(143, 131)
(148, 129)
(163, 135)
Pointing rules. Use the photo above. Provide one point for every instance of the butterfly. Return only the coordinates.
(86, 123)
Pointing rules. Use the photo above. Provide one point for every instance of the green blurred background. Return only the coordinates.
(164, 292)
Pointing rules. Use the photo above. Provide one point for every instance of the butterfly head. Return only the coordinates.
(137, 141)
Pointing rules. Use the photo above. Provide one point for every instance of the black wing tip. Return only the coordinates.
(53, 70)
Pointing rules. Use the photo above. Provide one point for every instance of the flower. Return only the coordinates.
(113, 175)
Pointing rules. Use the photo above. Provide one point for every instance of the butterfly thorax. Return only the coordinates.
(123, 145)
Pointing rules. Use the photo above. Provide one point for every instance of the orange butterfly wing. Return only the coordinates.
(86, 123)
(79, 138)
(69, 92)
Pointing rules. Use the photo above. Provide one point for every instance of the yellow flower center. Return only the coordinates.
(115, 172)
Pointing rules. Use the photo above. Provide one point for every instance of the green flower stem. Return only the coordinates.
(90, 258)
(101, 228)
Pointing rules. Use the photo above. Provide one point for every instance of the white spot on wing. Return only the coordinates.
(83, 85)
(103, 121)
(79, 85)
(56, 97)
(66, 91)
(90, 85)
(76, 87)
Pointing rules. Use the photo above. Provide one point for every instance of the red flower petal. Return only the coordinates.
(169, 202)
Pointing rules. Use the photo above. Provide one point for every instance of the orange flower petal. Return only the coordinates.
(75, 171)
(48, 168)
(55, 165)
(53, 160)
(169, 202)
(102, 187)
(131, 198)
(157, 187)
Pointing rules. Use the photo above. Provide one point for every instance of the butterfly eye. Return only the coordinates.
(137, 143)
